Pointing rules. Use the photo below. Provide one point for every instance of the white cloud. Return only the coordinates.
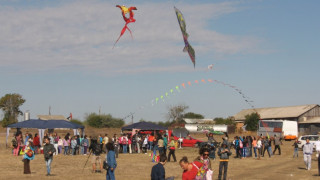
(81, 35)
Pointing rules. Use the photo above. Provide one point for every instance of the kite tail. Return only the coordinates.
(130, 33)
(122, 32)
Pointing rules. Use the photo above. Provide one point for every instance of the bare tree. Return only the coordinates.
(175, 112)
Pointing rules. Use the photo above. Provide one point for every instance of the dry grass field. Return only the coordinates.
(138, 166)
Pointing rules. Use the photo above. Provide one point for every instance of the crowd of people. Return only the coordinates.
(159, 143)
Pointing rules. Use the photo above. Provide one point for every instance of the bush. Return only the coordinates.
(103, 121)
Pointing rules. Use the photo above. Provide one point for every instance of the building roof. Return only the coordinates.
(310, 121)
(276, 112)
(52, 117)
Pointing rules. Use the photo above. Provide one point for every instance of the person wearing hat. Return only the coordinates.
(223, 153)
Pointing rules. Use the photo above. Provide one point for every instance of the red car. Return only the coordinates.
(188, 141)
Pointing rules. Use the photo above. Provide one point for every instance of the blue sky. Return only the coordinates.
(59, 54)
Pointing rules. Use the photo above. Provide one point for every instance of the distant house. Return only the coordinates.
(52, 117)
(307, 116)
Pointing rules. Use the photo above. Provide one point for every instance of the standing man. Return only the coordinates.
(48, 151)
(224, 153)
(96, 150)
(277, 142)
(307, 152)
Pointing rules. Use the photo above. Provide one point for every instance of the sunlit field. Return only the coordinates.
(138, 166)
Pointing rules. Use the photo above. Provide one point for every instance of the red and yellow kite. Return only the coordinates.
(128, 20)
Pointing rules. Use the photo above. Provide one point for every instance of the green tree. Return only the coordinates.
(252, 121)
(103, 120)
(10, 104)
(175, 113)
(219, 120)
(192, 115)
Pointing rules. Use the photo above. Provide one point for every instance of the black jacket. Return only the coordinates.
(158, 172)
(46, 149)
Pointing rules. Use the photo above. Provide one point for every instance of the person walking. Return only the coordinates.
(48, 151)
(266, 146)
(224, 153)
(36, 143)
(28, 155)
(307, 153)
(296, 150)
(277, 142)
(172, 149)
(111, 161)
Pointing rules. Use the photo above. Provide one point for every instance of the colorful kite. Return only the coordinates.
(128, 20)
(188, 48)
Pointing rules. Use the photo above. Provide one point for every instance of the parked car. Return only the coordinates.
(303, 140)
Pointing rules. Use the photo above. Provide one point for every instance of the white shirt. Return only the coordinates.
(259, 144)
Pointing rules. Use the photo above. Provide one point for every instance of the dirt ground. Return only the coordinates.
(138, 166)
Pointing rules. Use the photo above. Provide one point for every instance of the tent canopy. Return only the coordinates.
(146, 126)
(46, 124)
(183, 132)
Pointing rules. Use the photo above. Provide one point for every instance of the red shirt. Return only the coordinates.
(36, 141)
(190, 175)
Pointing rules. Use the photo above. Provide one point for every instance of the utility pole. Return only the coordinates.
(49, 110)
(132, 117)
(99, 110)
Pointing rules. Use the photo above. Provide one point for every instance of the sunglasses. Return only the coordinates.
(206, 154)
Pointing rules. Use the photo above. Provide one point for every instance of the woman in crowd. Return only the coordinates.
(28, 155)
(111, 160)
(259, 147)
(60, 145)
(190, 170)
(85, 144)
(172, 149)
(205, 160)
(36, 143)
(129, 144)
(55, 143)
(245, 145)
(19, 144)
(145, 144)
(254, 144)
(73, 145)
(66, 145)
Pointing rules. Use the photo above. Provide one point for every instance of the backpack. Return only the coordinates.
(97, 149)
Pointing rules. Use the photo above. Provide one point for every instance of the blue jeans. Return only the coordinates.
(110, 174)
(244, 152)
(73, 151)
(66, 148)
(124, 148)
(48, 164)
(270, 150)
(150, 145)
(295, 152)
(255, 151)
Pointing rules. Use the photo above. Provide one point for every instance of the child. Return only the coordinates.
(158, 171)
(224, 153)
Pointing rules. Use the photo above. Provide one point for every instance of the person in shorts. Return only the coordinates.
(95, 150)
